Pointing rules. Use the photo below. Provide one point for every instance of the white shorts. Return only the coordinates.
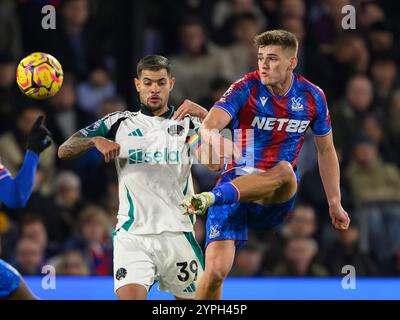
(174, 259)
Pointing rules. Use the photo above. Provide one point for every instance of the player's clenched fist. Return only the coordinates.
(340, 219)
(108, 148)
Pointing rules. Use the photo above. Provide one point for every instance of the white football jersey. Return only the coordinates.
(153, 169)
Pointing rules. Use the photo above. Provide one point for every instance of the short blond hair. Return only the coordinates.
(283, 38)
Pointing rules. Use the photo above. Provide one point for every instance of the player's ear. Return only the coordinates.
(137, 84)
(171, 83)
(293, 63)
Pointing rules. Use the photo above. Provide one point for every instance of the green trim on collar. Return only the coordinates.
(166, 115)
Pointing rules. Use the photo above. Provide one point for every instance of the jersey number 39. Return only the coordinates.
(193, 267)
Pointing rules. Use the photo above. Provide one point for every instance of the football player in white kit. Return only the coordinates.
(153, 240)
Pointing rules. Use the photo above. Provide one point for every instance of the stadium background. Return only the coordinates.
(69, 218)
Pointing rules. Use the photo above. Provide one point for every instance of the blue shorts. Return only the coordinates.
(9, 279)
(231, 221)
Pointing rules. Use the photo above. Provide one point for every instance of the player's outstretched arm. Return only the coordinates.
(216, 120)
(15, 193)
(330, 174)
(77, 145)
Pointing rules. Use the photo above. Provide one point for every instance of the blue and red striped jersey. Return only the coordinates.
(3, 172)
(278, 123)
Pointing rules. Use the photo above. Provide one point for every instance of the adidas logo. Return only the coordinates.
(191, 288)
(136, 133)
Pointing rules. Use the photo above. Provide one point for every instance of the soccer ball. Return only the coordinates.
(39, 75)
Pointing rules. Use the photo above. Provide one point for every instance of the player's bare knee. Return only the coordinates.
(217, 270)
(132, 292)
(217, 276)
(285, 172)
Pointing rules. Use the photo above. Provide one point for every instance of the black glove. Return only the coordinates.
(39, 137)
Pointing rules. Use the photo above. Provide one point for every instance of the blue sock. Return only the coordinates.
(225, 193)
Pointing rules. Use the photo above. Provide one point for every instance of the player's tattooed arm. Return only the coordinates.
(77, 145)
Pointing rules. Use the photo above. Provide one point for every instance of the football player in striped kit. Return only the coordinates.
(277, 105)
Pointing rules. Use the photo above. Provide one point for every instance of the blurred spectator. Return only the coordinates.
(64, 116)
(29, 257)
(371, 127)
(9, 92)
(242, 52)
(296, 26)
(328, 25)
(218, 87)
(368, 13)
(369, 177)
(346, 251)
(72, 263)
(383, 71)
(311, 191)
(111, 105)
(332, 71)
(248, 260)
(59, 211)
(10, 30)
(93, 240)
(97, 88)
(381, 39)
(391, 125)
(33, 228)
(375, 187)
(76, 42)
(292, 9)
(270, 9)
(67, 189)
(199, 63)
(380, 238)
(300, 254)
(169, 15)
(65, 204)
(307, 157)
(110, 201)
(348, 113)
(226, 13)
(13, 144)
(43, 206)
(301, 223)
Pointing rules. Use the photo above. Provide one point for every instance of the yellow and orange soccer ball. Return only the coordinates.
(39, 75)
